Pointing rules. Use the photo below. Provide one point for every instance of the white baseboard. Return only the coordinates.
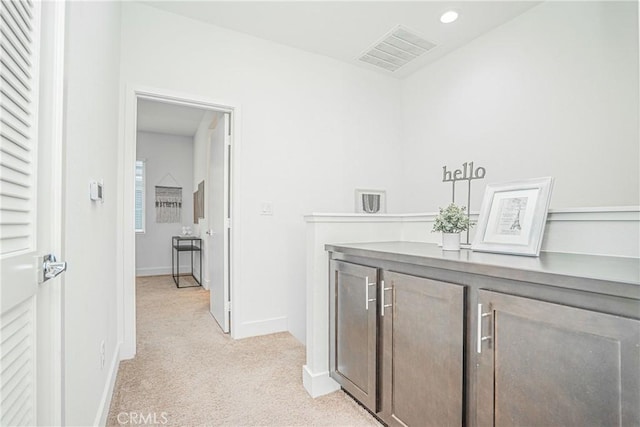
(107, 394)
(159, 271)
(260, 327)
(318, 384)
(153, 271)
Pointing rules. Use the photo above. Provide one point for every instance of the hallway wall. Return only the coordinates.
(313, 130)
(90, 229)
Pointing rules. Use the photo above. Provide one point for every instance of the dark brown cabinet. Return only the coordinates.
(353, 331)
(549, 364)
(396, 344)
(427, 338)
(422, 351)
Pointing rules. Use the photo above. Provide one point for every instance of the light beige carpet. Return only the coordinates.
(188, 373)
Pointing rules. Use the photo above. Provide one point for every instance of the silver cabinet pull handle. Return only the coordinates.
(480, 338)
(366, 293)
(383, 305)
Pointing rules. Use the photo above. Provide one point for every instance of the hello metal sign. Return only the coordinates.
(468, 173)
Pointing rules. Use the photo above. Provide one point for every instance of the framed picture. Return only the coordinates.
(513, 216)
(195, 207)
(371, 201)
(198, 203)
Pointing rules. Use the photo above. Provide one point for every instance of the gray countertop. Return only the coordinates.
(615, 275)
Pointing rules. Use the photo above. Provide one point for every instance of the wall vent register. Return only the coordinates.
(396, 49)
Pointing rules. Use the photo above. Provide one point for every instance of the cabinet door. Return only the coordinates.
(422, 351)
(544, 364)
(352, 334)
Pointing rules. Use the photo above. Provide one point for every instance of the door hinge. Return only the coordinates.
(228, 223)
(227, 306)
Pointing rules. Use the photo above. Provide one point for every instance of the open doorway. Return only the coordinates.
(197, 171)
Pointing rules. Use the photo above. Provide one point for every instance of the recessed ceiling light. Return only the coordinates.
(449, 16)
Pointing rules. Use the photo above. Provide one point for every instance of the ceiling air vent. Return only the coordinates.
(396, 49)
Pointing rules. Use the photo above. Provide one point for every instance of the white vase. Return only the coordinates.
(450, 241)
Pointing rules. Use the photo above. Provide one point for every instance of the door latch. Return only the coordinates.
(51, 268)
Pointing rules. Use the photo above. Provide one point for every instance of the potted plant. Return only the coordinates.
(451, 221)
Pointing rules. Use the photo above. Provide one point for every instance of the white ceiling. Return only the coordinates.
(160, 117)
(345, 29)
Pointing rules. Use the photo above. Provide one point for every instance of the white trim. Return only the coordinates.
(107, 394)
(318, 384)
(626, 213)
(597, 209)
(126, 246)
(181, 98)
(355, 217)
(156, 271)
(57, 141)
(604, 213)
(260, 327)
(126, 239)
(359, 215)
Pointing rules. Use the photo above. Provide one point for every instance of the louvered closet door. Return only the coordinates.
(22, 231)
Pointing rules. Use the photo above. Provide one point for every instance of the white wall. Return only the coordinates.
(90, 228)
(553, 92)
(313, 130)
(164, 154)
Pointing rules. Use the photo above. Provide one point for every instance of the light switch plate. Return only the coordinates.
(266, 208)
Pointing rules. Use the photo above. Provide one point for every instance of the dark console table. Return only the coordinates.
(185, 244)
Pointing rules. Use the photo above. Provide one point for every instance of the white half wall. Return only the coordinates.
(554, 92)
(90, 231)
(313, 130)
(168, 162)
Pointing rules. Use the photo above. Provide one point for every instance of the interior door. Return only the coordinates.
(32, 45)
(219, 208)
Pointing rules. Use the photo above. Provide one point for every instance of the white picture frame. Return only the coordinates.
(513, 217)
(371, 201)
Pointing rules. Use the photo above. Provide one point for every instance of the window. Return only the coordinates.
(139, 203)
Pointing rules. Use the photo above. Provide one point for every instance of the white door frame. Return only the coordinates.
(55, 392)
(126, 233)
